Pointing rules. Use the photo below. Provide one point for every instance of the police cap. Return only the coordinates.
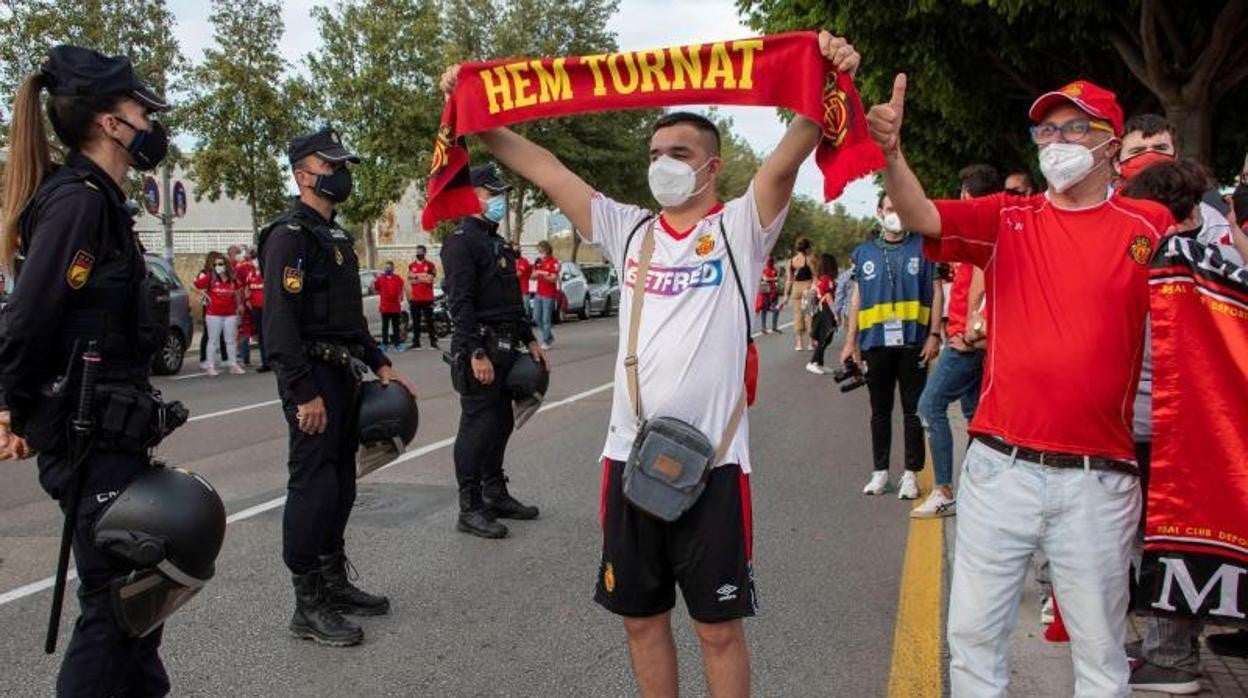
(324, 143)
(487, 176)
(73, 71)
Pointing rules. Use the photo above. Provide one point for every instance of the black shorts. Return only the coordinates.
(707, 552)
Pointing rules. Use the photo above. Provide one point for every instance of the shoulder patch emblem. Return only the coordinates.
(292, 280)
(706, 244)
(338, 256)
(79, 269)
(1141, 250)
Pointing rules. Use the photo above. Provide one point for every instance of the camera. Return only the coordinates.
(850, 376)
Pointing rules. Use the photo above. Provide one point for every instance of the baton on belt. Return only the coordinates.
(79, 444)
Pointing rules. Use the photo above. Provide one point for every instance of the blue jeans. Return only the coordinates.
(956, 378)
(544, 310)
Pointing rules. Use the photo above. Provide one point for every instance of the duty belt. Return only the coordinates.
(336, 353)
(1058, 460)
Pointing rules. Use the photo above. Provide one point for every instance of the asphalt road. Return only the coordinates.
(512, 617)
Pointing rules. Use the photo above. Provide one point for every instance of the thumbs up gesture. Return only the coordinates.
(884, 120)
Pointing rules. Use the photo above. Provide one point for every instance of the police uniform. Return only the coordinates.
(487, 311)
(314, 330)
(81, 277)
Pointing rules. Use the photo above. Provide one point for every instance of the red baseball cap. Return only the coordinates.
(1090, 98)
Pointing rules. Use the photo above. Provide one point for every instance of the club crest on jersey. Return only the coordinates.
(292, 280)
(673, 281)
(706, 244)
(608, 578)
(79, 269)
(1141, 250)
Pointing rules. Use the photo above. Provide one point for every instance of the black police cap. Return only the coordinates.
(324, 144)
(487, 176)
(73, 71)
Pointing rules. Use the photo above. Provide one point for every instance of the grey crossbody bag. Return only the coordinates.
(666, 471)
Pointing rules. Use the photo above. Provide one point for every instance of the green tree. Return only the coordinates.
(239, 109)
(140, 29)
(975, 66)
(375, 78)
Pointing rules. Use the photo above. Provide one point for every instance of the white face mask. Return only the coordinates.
(891, 222)
(672, 181)
(1066, 164)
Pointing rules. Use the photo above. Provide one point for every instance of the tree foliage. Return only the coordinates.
(975, 66)
(239, 110)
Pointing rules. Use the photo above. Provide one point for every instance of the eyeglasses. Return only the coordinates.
(1072, 131)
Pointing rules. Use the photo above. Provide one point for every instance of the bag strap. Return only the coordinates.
(634, 329)
(745, 303)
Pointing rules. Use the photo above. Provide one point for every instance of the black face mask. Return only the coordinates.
(336, 186)
(148, 148)
(420, 257)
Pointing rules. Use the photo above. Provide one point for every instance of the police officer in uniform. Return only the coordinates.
(80, 278)
(314, 331)
(490, 326)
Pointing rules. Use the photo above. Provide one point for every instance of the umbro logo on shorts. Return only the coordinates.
(727, 592)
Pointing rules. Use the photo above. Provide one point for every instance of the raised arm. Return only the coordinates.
(917, 212)
(569, 192)
(774, 181)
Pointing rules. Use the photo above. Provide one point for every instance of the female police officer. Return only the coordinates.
(80, 272)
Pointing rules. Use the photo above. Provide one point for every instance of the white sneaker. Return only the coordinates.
(935, 506)
(1046, 610)
(908, 487)
(815, 368)
(544, 346)
(878, 483)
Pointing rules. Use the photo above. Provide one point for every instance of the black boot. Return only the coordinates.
(475, 518)
(314, 618)
(342, 595)
(500, 501)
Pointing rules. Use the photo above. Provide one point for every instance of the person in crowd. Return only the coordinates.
(421, 275)
(203, 336)
(222, 312)
(768, 302)
(1047, 465)
(244, 267)
(957, 375)
(546, 271)
(801, 278)
(844, 293)
(891, 326)
(1018, 183)
(706, 552)
(1170, 652)
(255, 309)
(389, 287)
(524, 270)
(823, 325)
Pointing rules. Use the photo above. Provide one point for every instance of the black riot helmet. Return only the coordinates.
(389, 419)
(526, 383)
(170, 524)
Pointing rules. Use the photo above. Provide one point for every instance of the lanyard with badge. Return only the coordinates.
(894, 328)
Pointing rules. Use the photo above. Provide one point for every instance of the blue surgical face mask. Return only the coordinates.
(495, 209)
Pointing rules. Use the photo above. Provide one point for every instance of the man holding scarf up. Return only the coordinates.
(692, 300)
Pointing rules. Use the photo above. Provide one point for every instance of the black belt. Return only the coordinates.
(1058, 460)
(337, 353)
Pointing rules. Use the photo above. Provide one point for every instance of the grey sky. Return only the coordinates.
(639, 24)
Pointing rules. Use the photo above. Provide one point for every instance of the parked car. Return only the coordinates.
(573, 293)
(604, 288)
(372, 306)
(168, 360)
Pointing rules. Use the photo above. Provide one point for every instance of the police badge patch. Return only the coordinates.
(338, 255)
(292, 280)
(79, 269)
(1141, 250)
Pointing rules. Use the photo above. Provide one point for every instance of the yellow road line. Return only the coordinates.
(916, 667)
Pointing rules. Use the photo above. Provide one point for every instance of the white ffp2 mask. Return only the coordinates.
(1066, 164)
(672, 181)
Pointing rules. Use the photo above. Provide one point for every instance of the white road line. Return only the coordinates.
(234, 410)
(43, 584)
(201, 374)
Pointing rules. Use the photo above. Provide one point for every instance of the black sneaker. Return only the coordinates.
(1147, 677)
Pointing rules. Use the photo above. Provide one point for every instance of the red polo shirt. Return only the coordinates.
(222, 294)
(959, 295)
(524, 269)
(255, 290)
(1069, 292)
(421, 291)
(390, 290)
(547, 289)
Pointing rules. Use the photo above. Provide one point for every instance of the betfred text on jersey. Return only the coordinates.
(673, 281)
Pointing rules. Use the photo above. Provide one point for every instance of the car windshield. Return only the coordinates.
(596, 275)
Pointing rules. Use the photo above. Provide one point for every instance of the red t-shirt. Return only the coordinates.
(771, 277)
(222, 294)
(255, 290)
(825, 285)
(547, 289)
(243, 271)
(524, 269)
(390, 289)
(1069, 292)
(959, 297)
(421, 291)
